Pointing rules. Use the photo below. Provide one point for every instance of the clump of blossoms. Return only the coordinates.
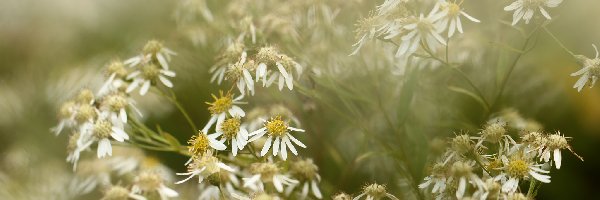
(395, 23)
(493, 164)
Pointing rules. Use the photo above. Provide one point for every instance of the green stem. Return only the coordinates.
(173, 100)
(558, 41)
(530, 191)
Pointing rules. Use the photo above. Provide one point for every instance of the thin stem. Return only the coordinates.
(530, 191)
(173, 100)
(558, 41)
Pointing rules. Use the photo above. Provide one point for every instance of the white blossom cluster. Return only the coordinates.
(491, 165)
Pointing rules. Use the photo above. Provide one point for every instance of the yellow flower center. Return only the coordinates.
(209, 163)
(518, 168)
(117, 68)
(221, 104)
(266, 170)
(116, 193)
(102, 129)
(149, 181)
(150, 72)
(375, 190)
(85, 113)
(152, 47)
(276, 127)
(230, 127)
(556, 141)
(66, 110)
(85, 96)
(305, 169)
(198, 144)
(453, 9)
(116, 102)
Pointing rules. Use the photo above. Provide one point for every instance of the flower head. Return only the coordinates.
(278, 130)
(524, 9)
(590, 71)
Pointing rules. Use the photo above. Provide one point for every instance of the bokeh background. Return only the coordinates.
(49, 49)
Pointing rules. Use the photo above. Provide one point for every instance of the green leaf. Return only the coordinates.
(470, 94)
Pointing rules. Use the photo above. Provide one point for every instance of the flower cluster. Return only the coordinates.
(101, 116)
(493, 164)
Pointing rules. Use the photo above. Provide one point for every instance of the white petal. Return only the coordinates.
(557, 158)
(145, 88)
(296, 141)
(165, 81)
(276, 146)
(266, 147)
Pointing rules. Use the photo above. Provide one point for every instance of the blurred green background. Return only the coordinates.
(51, 49)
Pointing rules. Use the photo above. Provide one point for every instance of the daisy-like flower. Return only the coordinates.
(233, 131)
(279, 130)
(518, 167)
(375, 192)
(463, 172)
(230, 55)
(589, 72)
(366, 29)
(424, 29)
(74, 149)
(223, 105)
(388, 6)
(264, 173)
(494, 133)
(451, 12)
(153, 51)
(102, 130)
(115, 106)
(147, 75)
(554, 143)
(270, 57)
(201, 143)
(438, 177)
(524, 9)
(116, 72)
(203, 166)
(307, 173)
(76, 112)
(119, 192)
(150, 181)
(239, 72)
(490, 189)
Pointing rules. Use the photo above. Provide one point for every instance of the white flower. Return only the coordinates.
(148, 181)
(153, 51)
(423, 29)
(451, 16)
(524, 9)
(306, 171)
(388, 5)
(264, 173)
(520, 166)
(233, 131)
(229, 56)
(223, 105)
(269, 57)
(240, 73)
(203, 166)
(554, 143)
(149, 74)
(74, 149)
(375, 191)
(200, 143)
(279, 130)
(101, 130)
(590, 70)
(209, 192)
(463, 172)
(366, 30)
(116, 72)
(115, 106)
(438, 178)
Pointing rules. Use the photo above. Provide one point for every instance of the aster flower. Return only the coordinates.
(75, 112)
(229, 56)
(267, 172)
(239, 72)
(589, 72)
(279, 130)
(439, 177)
(116, 72)
(74, 149)
(306, 172)
(375, 192)
(147, 75)
(233, 131)
(222, 106)
(452, 12)
(149, 181)
(115, 106)
(524, 9)
(101, 130)
(153, 51)
(518, 167)
(270, 57)
(366, 29)
(555, 143)
(203, 166)
(199, 144)
(463, 173)
(424, 29)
